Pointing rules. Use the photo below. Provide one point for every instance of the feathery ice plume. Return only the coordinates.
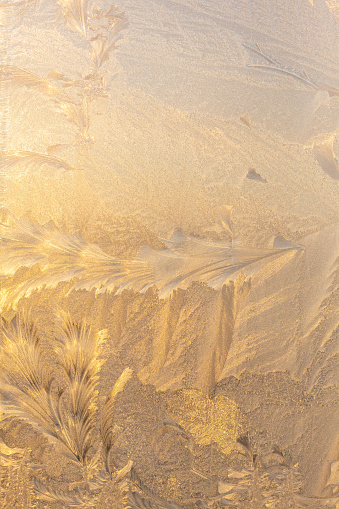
(79, 356)
(106, 422)
(60, 257)
(26, 383)
(31, 161)
(76, 15)
(16, 76)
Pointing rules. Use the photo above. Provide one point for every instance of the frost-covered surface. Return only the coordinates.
(169, 175)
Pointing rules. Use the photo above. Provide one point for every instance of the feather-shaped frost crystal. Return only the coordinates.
(62, 256)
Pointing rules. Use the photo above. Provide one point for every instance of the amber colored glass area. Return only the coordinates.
(169, 211)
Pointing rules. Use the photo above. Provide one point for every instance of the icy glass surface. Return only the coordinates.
(169, 217)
